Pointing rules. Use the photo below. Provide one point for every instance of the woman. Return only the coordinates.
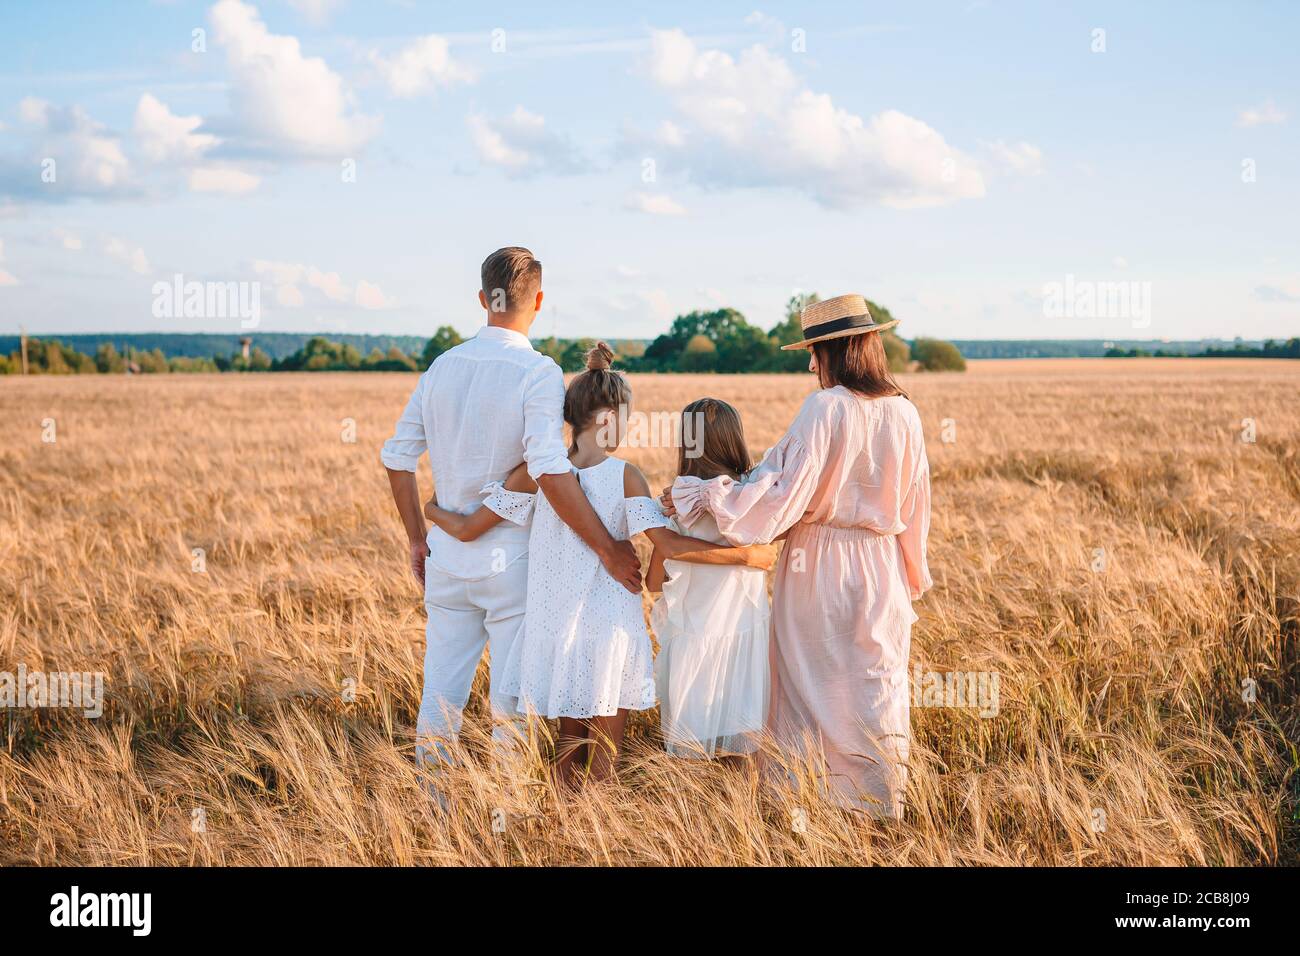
(850, 484)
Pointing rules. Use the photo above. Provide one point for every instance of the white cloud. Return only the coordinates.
(88, 158)
(1119, 262)
(522, 144)
(317, 11)
(656, 204)
(283, 101)
(1024, 159)
(1267, 113)
(421, 67)
(750, 121)
(370, 296)
(70, 242)
(222, 179)
(7, 278)
(492, 146)
(124, 252)
(289, 278)
(162, 136)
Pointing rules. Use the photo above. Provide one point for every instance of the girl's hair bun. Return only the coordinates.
(601, 357)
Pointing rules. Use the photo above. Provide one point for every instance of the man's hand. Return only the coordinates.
(623, 565)
(666, 502)
(419, 551)
(406, 493)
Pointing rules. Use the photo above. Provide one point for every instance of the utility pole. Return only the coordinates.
(23, 335)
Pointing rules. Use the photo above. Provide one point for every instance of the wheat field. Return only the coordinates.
(1105, 538)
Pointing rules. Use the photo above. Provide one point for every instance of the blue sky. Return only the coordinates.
(947, 160)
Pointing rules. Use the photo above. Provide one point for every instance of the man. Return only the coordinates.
(480, 409)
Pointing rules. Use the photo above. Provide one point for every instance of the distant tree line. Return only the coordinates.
(1290, 349)
(723, 341)
(717, 341)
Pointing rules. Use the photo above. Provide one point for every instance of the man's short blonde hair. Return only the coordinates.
(511, 278)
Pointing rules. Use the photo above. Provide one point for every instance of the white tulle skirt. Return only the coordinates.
(712, 671)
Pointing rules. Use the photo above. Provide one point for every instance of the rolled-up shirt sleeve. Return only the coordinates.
(402, 452)
(544, 449)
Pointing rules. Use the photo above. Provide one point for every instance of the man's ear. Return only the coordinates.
(537, 306)
(482, 299)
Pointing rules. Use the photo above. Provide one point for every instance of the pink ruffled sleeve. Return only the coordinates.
(772, 498)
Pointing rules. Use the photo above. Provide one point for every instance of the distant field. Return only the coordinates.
(1104, 539)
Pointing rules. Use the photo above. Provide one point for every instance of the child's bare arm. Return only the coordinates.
(472, 526)
(468, 527)
(654, 578)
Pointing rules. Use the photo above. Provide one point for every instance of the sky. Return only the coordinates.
(985, 170)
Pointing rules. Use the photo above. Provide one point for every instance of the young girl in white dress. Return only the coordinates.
(585, 656)
(712, 621)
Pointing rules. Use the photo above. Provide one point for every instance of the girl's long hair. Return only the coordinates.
(858, 363)
(714, 430)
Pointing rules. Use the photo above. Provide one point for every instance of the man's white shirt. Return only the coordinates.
(482, 408)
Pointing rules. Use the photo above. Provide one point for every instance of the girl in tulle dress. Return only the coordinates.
(712, 621)
(585, 656)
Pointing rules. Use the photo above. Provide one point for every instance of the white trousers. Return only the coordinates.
(465, 616)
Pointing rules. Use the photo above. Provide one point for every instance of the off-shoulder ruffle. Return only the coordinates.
(643, 514)
(515, 506)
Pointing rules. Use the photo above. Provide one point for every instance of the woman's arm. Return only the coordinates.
(776, 494)
(761, 556)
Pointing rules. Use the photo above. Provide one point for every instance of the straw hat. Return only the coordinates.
(834, 319)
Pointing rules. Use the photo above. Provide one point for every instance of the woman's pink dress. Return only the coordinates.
(851, 482)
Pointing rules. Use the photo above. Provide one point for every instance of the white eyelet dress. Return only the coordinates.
(585, 650)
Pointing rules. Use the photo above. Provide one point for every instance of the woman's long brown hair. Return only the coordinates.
(858, 363)
(716, 433)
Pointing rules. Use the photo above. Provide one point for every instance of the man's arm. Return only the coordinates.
(548, 465)
(401, 456)
(406, 493)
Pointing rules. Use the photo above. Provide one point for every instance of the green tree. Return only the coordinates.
(574, 356)
(897, 352)
(553, 347)
(445, 338)
(789, 330)
(740, 346)
(108, 360)
(700, 355)
(936, 355)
